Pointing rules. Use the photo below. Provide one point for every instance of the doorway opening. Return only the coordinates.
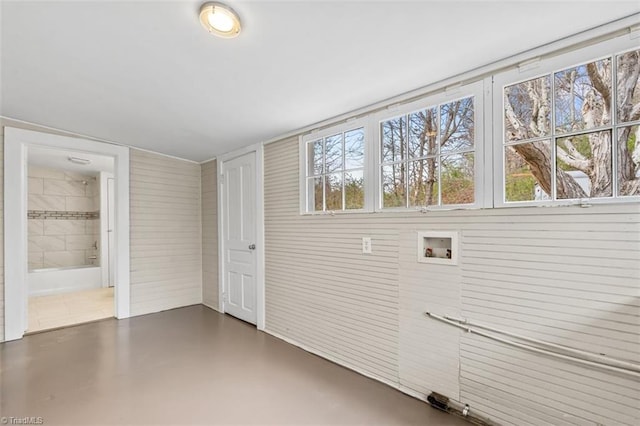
(55, 257)
(70, 202)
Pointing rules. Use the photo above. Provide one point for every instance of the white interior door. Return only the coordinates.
(239, 231)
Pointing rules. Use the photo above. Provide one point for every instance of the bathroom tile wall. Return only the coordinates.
(64, 225)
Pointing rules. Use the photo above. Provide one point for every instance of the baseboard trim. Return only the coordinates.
(215, 308)
(395, 385)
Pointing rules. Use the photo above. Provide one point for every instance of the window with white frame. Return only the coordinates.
(335, 170)
(428, 156)
(573, 133)
(566, 129)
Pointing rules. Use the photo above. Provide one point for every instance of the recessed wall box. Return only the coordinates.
(439, 247)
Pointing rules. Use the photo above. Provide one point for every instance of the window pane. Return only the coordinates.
(314, 155)
(628, 85)
(521, 182)
(527, 109)
(423, 182)
(456, 126)
(423, 133)
(393, 186)
(583, 96)
(393, 139)
(333, 192)
(584, 166)
(314, 189)
(354, 149)
(629, 161)
(354, 189)
(457, 179)
(333, 153)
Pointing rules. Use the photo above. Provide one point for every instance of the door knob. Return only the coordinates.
(252, 246)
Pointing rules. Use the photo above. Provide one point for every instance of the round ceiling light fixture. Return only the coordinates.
(220, 19)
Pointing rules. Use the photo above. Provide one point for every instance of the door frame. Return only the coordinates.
(105, 252)
(16, 145)
(258, 149)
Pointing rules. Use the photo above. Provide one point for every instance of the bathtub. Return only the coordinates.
(47, 281)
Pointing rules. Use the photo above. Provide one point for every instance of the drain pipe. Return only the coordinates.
(445, 404)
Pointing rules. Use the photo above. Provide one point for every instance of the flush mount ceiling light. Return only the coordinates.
(79, 160)
(220, 20)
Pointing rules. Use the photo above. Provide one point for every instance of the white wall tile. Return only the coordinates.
(74, 176)
(92, 187)
(44, 202)
(79, 242)
(46, 243)
(61, 259)
(35, 185)
(79, 204)
(43, 172)
(64, 227)
(35, 227)
(63, 187)
(36, 260)
(92, 226)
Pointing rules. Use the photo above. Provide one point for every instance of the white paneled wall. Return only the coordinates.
(565, 274)
(166, 253)
(320, 292)
(572, 279)
(209, 234)
(423, 342)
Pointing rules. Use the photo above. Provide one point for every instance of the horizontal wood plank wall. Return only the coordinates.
(320, 292)
(568, 275)
(209, 234)
(429, 350)
(166, 237)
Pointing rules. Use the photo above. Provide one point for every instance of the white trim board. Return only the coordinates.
(104, 225)
(260, 249)
(16, 145)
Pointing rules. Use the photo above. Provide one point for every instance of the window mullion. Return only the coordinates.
(324, 174)
(406, 160)
(438, 147)
(344, 165)
(552, 136)
(614, 122)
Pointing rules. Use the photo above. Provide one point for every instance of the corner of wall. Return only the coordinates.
(209, 197)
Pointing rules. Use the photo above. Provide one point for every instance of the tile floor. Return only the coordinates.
(60, 310)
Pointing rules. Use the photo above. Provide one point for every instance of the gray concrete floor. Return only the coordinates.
(190, 366)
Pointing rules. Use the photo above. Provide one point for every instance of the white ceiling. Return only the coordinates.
(146, 74)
